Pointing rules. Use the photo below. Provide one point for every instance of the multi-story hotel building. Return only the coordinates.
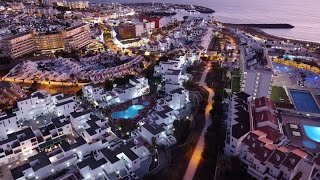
(18, 45)
(127, 30)
(75, 37)
(49, 41)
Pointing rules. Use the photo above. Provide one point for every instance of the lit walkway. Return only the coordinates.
(196, 156)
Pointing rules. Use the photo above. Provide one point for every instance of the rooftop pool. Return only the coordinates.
(129, 113)
(304, 101)
(313, 132)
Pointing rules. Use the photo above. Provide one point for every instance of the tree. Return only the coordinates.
(141, 65)
(123, 81)
(189, 85)
(35, 86)
(79, 93)
(5, 60)
(108, 85)
(126, 127)
(163, 58)
(181, 129)
(153, 143)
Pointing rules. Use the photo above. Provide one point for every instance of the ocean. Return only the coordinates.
(303, 14)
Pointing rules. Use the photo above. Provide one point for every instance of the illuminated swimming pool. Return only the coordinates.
(313, 132)
(304, 101)
(309, 144)
(129, 113)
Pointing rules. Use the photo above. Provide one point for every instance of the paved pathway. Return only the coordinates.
(196, 156)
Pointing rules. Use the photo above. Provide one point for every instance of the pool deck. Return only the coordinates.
(138, 101)
(299, 120)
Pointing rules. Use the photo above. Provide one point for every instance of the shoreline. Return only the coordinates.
(200, 9)
(265, 25)
(259, 32)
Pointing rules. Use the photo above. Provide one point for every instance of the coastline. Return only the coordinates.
(187, 7)
(262, 34)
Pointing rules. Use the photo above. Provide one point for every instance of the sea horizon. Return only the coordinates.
(306, 20)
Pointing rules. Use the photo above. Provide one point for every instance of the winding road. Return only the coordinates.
(197, 152)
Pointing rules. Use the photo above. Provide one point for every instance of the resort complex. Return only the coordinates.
(152, 91)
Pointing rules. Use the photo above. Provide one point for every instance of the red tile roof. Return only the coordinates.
(266, 116)
(264, 101)
(272, 133)
(277, 157)
(250, 139)
(291, 161)
(262, 154)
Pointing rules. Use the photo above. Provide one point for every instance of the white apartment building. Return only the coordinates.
(254, 134)
(137, 87)
(125, 157)
(150, 26)
(38, 104)
(165, 44)
(153, 46)
(19, 144)
(139, 29)
(43, 165)
(41, 102)
(8, 124)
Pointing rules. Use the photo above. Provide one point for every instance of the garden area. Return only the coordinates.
(235, 80)
(278, 94)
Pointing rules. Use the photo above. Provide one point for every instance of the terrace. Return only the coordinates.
(291, 76)
(95, 69)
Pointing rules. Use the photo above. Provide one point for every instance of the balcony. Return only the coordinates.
(8, 152)
(15, 144)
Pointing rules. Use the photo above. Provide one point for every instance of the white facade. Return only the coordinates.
(139, 29)
(150, 26)
(137, 87)
(8, 125)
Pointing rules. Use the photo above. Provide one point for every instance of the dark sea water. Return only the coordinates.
(303, 14)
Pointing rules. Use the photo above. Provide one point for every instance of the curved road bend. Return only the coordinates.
(197, 152)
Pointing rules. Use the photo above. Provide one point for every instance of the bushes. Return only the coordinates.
(214, 138)
(181, 131)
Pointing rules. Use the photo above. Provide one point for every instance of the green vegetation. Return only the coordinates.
(72, 54)
(108, 85)
(214, 138)
(125, 128)
(235, 84)
(123, 80)
(235, 72)
(235, 80)
(5, 60)
(278, 94)
(190, 85)
(181, 131)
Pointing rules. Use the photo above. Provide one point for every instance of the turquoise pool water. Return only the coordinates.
(313, 132)
(309, 144)
(304, 101)
(129, 113)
